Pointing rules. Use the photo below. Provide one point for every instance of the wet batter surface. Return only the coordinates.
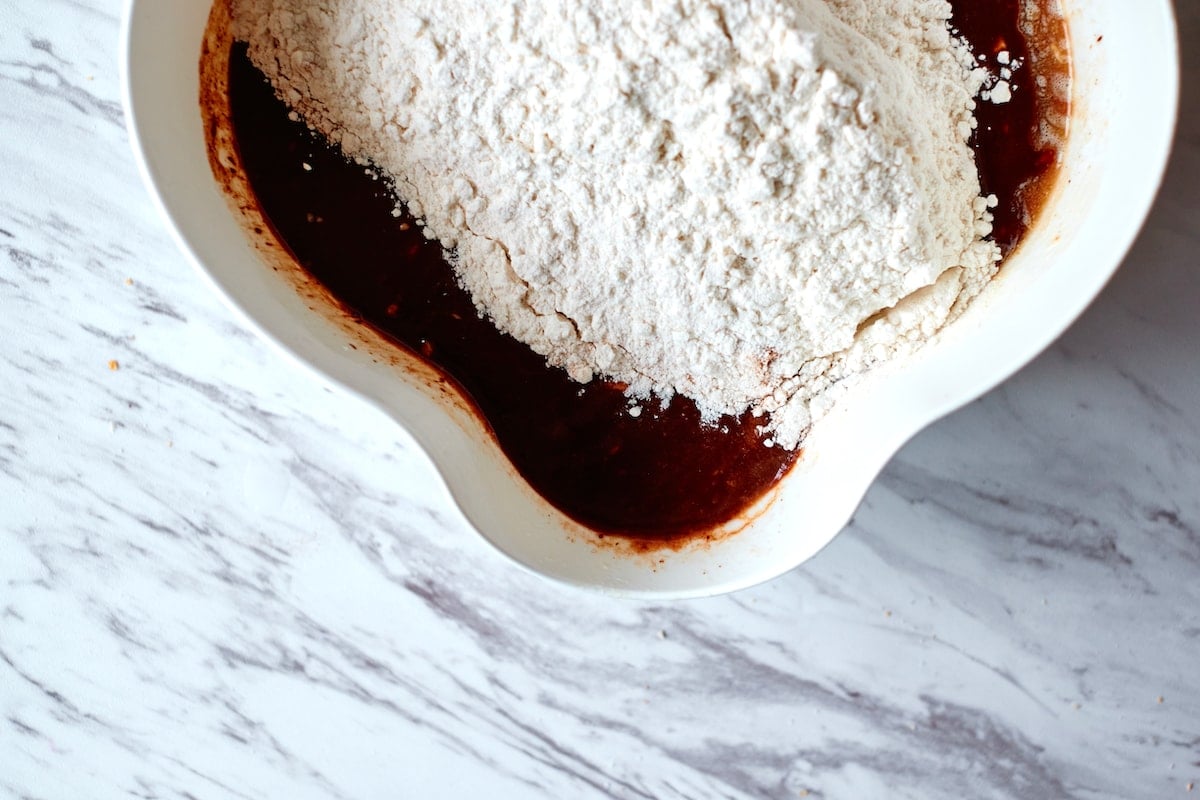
(1017, 143)
(661, 476)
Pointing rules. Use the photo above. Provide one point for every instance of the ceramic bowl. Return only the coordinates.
(1126, 85)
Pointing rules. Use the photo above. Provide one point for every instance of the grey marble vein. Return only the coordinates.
(220, 579)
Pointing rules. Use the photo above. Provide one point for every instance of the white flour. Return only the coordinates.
(743, 201)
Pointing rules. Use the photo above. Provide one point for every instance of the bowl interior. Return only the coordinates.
(1126, 85)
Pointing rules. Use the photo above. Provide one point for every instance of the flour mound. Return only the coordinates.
(743, 201)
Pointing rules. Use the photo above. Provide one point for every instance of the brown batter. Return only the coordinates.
(663, 476)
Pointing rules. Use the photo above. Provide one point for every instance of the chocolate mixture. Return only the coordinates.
(662, 476)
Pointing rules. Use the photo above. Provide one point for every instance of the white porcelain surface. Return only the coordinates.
(218, 579)
(1120, 136)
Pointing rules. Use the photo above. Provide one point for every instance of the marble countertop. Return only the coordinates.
(219, 579)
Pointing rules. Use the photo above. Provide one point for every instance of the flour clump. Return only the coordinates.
(746, 202)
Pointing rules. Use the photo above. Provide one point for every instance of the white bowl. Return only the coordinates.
(1126, 96)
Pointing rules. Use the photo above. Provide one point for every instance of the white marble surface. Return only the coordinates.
(218, 579)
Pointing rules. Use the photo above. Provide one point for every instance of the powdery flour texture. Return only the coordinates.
(743, 201)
